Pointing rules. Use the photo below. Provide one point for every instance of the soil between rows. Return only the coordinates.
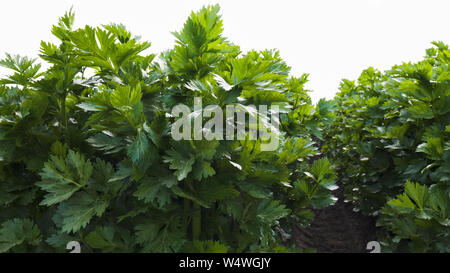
(336, 229)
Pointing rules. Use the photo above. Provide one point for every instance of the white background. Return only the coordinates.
(330, 39)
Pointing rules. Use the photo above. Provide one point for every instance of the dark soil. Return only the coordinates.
(336, 229)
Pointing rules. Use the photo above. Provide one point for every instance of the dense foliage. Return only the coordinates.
(87, 155)
(394, 127)
(86, 152)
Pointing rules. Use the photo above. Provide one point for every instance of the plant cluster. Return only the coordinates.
(86, 152)
(390, 128)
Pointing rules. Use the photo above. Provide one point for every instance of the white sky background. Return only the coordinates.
(329, 39)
